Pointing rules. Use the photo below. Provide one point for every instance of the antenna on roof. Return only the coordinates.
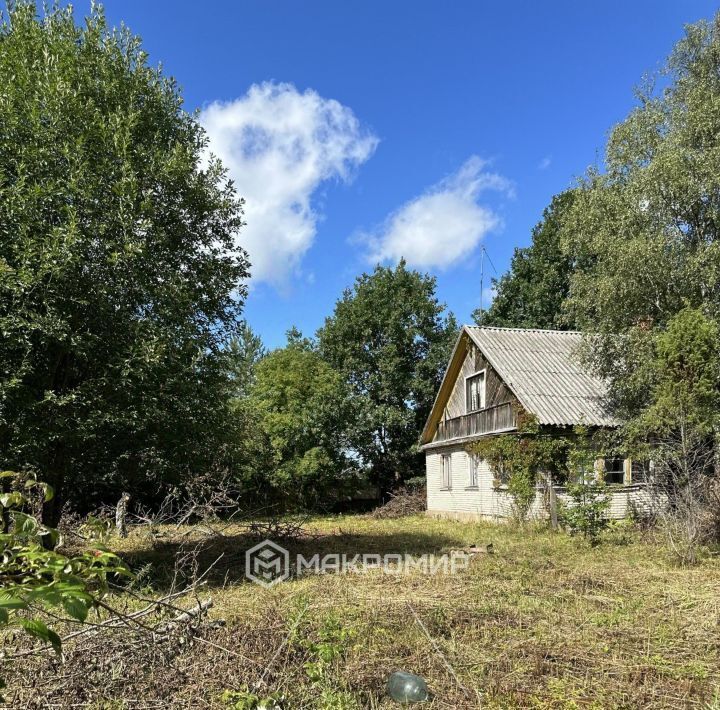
(483, 254)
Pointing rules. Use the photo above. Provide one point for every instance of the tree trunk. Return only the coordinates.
(552, 501)
(55, 477)
(121, 515)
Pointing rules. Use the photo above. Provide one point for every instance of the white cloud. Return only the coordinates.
(279, 146)
(545, 163)
(442, 226)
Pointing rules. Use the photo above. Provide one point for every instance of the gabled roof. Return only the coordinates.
(541, 369)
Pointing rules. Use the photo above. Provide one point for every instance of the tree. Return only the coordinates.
(678, 430)
(643, 234)
(297, 453)
(245, 352)
(531, 294)
(390, 340)
(120, 281)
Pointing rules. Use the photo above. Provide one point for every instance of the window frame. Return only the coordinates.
(483, 397)
(446, 463)
(621, 471)
(473, 464)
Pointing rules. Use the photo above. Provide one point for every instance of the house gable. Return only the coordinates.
(496, 391)
(466, 360)
(536, 370)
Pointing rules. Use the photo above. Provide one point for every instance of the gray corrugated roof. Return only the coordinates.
(541, 368)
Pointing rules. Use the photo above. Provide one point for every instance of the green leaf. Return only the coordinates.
(10, 602)
(77, 608)
(12, 500)
(37, 628)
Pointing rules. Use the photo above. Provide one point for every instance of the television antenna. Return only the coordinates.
(483, 255)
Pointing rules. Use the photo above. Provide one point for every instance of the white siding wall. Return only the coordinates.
(487, 502)
(482, 501)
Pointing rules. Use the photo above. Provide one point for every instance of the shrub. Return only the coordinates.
(586, 515)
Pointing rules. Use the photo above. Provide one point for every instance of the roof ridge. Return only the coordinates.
(524, 330)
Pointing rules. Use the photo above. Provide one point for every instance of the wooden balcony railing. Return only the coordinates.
(501, 417)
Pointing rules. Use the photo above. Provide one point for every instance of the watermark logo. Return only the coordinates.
(267, 564)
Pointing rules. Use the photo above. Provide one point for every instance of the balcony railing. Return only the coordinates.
(501, 417)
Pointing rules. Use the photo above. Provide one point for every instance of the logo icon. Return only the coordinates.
(267, 564)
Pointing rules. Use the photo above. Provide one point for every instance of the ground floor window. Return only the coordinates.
(615, 470)
(447, 471)
(473, 463)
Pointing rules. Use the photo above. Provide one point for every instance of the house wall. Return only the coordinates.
(481, 502)
(487, 502)
(496, 391)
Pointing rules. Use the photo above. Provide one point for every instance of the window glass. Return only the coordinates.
(614, 470)
(447, 471)
(475, 392)
(472, 470)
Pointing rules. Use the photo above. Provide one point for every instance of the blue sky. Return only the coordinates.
(359, 131)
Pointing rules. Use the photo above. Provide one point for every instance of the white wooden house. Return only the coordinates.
(493, 374)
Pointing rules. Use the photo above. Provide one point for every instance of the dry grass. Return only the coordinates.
(545, 622)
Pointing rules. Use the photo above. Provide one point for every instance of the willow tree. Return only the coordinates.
(120, 282)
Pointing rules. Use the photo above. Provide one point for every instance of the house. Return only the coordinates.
(493, 375)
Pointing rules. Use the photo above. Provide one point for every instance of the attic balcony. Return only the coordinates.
(492, 420)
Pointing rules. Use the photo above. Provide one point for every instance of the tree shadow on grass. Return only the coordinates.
(221, 559)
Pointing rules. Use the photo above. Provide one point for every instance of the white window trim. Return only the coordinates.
(483, 399)
(473, 463)
(446, 460)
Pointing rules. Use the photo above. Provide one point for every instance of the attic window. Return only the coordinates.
(475, 392)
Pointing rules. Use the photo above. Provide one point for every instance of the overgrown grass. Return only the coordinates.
(544, 622)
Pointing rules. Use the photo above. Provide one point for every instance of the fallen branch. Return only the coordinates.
(188, 615)
(117, 621)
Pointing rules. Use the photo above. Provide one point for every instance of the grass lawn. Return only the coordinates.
(544, 622)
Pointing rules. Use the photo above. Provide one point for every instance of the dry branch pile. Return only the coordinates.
(407, 501)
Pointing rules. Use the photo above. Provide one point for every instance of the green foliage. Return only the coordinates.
(586, 514)
(245, 351)
(296, 412)
(532, 292)
(678, 429)
(532, 455)
(390, 341)
(120, 280)
(686, 376)
(247, 700)
(644, 234)
(33, 577)
(327, 647)
(519, 460)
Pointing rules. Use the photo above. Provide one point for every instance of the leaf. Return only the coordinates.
(8, 601)
(49, 491)
(77, 608)
(12, 500)
(37, 628)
